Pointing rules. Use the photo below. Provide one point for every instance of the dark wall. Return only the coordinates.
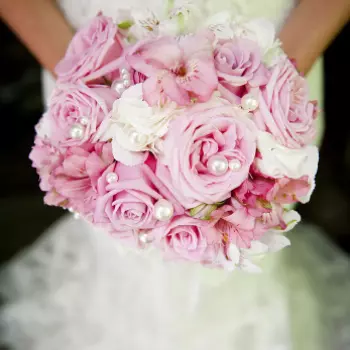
(22, 213)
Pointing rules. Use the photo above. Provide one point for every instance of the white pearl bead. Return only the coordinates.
(249, 102)
(124, 71)
(144, 238)
(137, 138)
(125, 74)
(71, 210)
(84, 121)
(76, 216)
(163, 210)
(217, 165)
(235, 164)
(111, 177)
(76, 131)
(126, 83)
(118, 87)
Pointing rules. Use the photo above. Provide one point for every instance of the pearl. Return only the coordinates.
(163, 210)
(235, 164)
(144, 238)
(125, 72)
(126, 76)
(137, 139)
(71, 210)
(217, 165)
(249, 102)
(126, 83)
(76, 216)
(76, 131)
(111, 177)
(84, 121)
(118, 87)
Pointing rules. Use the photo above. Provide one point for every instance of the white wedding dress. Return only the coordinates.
(76, 289)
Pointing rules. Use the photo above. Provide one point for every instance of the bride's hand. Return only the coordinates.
(41, 26)
(311, 27)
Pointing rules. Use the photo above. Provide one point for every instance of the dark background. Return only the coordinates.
(23, 217)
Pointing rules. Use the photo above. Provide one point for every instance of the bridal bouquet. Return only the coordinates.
(187, 134)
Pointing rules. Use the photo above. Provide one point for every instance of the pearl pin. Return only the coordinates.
(217, 165)
(111, 177)
(144, 238)
(126, 83)
(235, 164)
(84, 121)
(137, 138)
(124, 72)
(163, 210)
(118, 87)
(76, 131)
(249, 102)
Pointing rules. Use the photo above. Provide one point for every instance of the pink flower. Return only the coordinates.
(289, 191)
(93, 46)
(284, 108)
(76, 111)
(235, 226)
(191, 144)
(74, 182)
(128, 202)
(255, 194)
(177, 69)
(183, 238)
(238, 63)
(45, 158)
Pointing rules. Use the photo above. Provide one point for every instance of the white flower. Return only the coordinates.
(252, 255)
(134, 126)
(221, 25)
(182, 17)
(243, 258)
(233, 254)
(263, 32)
(278, 161)
(145, 24)
(275, 242)
(186, 15)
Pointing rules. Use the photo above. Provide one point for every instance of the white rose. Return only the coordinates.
(134, 127)
(278, 161)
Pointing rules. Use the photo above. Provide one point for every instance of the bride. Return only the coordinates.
(77, 289)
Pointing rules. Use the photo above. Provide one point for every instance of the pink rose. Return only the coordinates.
(128, 202)
(45, 158)
(183, 238)
(238, 63)
(76, 111)
(177, 69)
(73, 183)
(193, 143)
(94, 46)
(284, 108)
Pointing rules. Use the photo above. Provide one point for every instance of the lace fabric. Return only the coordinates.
(75, 289)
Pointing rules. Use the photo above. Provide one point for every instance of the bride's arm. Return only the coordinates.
(41, 27)
(311, 27)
